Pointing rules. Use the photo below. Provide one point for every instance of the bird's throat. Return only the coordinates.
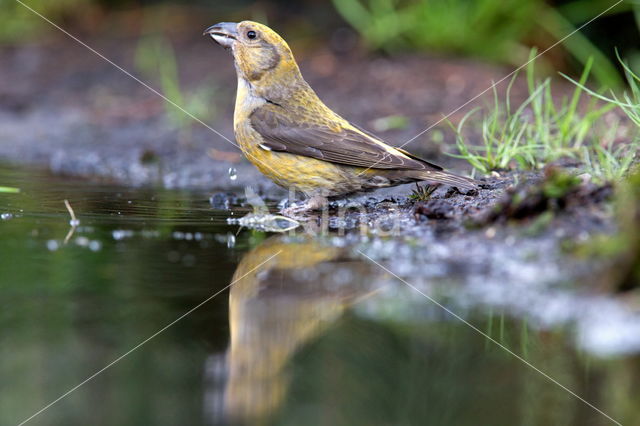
(246, 101)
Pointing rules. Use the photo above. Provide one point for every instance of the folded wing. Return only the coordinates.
(329, 142)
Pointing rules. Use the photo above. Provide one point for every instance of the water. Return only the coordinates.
(287, 329)
(233, 173)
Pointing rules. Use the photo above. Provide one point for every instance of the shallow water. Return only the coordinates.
(288, 329)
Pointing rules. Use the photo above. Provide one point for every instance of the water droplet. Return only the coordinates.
(233, 173)
(231, 240)
(6, 216)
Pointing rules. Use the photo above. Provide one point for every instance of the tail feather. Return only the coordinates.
(447, 178)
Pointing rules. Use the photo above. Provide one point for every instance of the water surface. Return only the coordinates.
(296, 329)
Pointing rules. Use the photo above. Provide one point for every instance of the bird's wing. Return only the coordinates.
(328, 141)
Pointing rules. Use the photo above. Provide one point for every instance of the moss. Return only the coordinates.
(558, 184)
(620, 251)
(558, 191)
(627, 263)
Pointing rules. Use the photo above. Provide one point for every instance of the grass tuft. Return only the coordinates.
(542, 130)
(629, 103)
(422, 193)
(609, 161)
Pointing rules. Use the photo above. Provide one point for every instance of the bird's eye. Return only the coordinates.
(251, 35)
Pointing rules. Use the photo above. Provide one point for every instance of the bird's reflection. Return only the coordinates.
(276, 308)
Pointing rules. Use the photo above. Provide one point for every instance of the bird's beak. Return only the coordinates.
(224, 33)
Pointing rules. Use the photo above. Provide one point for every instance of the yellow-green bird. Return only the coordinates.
(292, 137)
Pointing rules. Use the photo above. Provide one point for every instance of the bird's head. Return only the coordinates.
(261, 55)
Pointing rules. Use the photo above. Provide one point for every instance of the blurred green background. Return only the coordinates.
(501, 31)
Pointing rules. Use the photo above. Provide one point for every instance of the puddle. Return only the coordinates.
(303, 330)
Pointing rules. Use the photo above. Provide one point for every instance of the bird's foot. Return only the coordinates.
(296, 209)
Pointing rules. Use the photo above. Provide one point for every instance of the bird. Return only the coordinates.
(292, 137)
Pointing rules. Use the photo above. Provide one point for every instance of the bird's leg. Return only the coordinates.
(314, 203)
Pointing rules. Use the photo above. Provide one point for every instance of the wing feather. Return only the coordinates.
(325, 141)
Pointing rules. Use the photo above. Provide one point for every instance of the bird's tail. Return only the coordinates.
(441, 176)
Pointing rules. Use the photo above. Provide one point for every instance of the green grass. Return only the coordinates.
(542, 129)
(610, 162)
(613, 161)
(503, 138)
(628, 102)
(498, 30)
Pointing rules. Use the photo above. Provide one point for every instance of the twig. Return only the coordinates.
(74, 222)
